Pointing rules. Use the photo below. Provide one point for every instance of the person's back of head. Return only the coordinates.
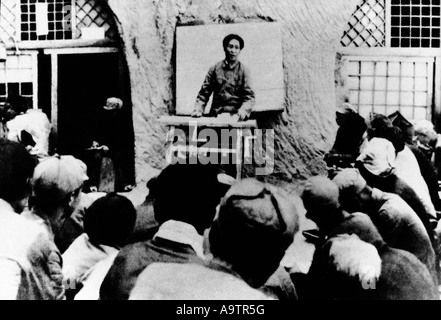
(57, 179)
(395, 136)
(187, 193)
(16, 168)
(425, 131)
(353, 189)
(19, 104)
(7, 113)
(405, 125)
(377, 124)
(404, 277)
(255, 224)
(351, 267)
(110, 220)
(321, 199)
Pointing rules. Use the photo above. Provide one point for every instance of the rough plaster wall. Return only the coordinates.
(311, 30)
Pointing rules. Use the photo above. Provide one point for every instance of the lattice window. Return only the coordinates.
(95, 13)
(31, 20)
(46, 19)
(394, 23)
(415, 23)
(366, 26)
(8, 21)
(17, 77)
(385, 85)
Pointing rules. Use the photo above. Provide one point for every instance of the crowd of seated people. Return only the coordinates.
(204, 238)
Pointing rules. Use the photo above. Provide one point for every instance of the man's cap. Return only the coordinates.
(56, 177)
(255, 224)
(319, 193)
(350, 179)
(113, 103)
(255, 208)
(399, 120)
(378, 157)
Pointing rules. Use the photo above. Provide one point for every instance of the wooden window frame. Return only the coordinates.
(34, 71)
(388, 25)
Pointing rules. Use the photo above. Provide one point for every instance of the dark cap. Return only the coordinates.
(259, 206)
(256, 223)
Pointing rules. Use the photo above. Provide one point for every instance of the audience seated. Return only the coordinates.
(429, 142)
(402, 275)
(24, 275)
(349, 137)
(377, 166)
(57, 183)
(185, 200)
(255, 225)
(397, 223)
(108, 223)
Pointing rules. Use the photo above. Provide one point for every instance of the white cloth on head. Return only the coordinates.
(36, 123)
(378, 156)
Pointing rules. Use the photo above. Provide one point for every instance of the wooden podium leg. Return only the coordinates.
(239, 154)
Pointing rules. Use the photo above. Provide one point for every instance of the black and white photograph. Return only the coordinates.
(220, 154)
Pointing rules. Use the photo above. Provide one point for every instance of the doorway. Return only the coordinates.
(85, 81)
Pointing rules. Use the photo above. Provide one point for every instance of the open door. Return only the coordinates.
(84, 82)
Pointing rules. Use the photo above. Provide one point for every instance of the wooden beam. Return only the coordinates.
(35, 79)
(206, 122)
(381, 51)
(53, 44)
(437, 95)
(387, 23)
(81, 50)
(54, 97)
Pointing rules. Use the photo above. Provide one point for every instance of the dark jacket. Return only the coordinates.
(401, 228)
(428, 172)
(403, 276)
(134, 258)
(349, 135)
(347, 143)
(393, 184)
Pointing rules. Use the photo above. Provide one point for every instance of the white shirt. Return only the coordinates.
(182, 232)
(408, 170)
(37, 124)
